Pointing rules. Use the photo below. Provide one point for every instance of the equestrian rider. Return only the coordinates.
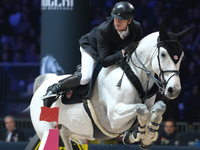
(107, 42)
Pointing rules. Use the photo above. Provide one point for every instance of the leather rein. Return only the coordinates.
(160, 81)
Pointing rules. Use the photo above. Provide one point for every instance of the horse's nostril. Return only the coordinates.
(170, 90)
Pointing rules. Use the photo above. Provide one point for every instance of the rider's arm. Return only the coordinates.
(106, 55)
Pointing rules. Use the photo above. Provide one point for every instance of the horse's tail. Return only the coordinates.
(26, 110)
(40, 79)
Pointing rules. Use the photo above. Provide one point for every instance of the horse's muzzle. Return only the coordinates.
(172, 92)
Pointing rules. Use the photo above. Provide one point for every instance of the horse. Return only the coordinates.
(50, 65)
(119, 110)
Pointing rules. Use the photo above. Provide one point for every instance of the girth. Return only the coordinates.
(136, 82)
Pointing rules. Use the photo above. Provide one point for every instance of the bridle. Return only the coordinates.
(162, 72)
(160, 81)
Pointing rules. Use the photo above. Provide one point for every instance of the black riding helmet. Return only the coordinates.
(123, 11)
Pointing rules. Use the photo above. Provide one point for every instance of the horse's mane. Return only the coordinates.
(39, 80)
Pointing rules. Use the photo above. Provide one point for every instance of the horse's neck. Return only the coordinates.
(145, 52)
(109, 77)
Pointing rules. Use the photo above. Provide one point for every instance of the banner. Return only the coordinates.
(63, 24)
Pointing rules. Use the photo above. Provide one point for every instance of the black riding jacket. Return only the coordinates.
(104, 42)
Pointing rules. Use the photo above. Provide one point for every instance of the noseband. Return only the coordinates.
(160, 83)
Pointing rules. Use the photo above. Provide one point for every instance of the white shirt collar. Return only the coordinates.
(8, 138)
(123, 34)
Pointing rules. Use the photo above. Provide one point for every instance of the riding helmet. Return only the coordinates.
(123, 11)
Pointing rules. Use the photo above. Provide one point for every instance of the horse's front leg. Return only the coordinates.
(137, 131)
(151, 134)
(121, 116)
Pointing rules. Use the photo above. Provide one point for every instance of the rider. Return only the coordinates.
(107, 42)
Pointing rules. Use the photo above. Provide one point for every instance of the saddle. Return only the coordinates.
(78, 94)
(84, 91)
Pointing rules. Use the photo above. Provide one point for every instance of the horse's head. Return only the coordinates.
(168, 60)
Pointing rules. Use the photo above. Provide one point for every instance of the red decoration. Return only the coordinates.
(49, 114)
(175, 57)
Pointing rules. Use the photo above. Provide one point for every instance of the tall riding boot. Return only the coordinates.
(50, 97)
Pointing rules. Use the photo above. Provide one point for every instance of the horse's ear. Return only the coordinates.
(162, 32)
(182, 34)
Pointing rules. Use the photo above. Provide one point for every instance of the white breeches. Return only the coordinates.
(87, 66)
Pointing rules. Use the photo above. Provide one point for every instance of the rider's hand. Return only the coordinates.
(131, 48)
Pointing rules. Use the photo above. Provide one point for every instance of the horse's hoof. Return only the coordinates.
(125, 139)
(143, 146)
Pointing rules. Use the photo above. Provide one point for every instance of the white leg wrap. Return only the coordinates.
(157, 111)
(142, 114)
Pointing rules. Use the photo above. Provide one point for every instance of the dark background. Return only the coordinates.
(27, 34)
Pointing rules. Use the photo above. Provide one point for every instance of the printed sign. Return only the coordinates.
(57, 4)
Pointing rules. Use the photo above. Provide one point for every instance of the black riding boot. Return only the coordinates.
(51, 95)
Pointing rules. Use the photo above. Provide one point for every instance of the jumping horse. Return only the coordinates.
(120, 110)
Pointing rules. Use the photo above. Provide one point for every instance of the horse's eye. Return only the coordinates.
(163, 54)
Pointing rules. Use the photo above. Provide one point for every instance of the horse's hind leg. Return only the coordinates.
(152, 130)
(138, 130)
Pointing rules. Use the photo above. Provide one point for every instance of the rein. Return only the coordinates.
(160, 84)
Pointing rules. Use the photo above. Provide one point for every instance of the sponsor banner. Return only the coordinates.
(57, 4)
(64, 22)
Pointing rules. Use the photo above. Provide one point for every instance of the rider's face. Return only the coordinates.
(121, 25)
